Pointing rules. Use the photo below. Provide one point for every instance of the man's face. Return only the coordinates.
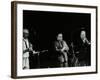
(25, 33)
(83, 35)
(60, 37)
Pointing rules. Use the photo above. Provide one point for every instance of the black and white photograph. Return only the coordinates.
(54, 38)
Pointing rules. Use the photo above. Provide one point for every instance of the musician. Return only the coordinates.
(27, 48)
(83, 49)
(61, 48)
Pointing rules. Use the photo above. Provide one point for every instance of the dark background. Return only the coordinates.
(44, 27)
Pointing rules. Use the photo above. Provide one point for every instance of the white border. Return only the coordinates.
(21, 72)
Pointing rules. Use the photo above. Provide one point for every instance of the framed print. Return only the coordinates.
(53, 39)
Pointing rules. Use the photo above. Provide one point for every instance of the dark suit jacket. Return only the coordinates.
(83, 49)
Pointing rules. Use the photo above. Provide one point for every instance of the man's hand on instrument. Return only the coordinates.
(30, 49)
(35, 52)
(62, 50)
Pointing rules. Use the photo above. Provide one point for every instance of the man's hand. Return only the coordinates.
(34, 52)
(30, 49)
(62, 50)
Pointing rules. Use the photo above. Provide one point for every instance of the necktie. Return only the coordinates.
(60, 44)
